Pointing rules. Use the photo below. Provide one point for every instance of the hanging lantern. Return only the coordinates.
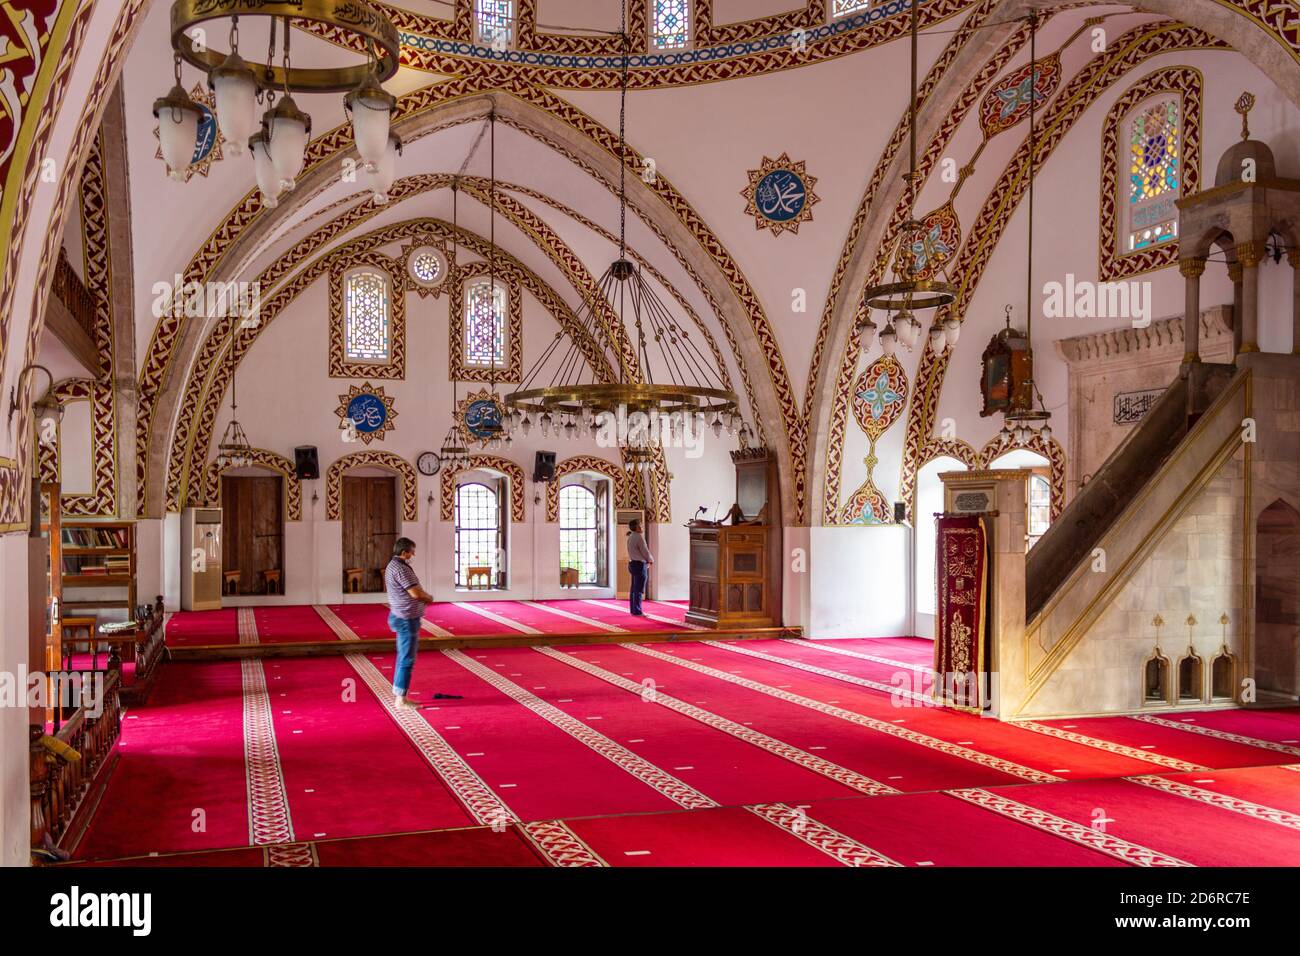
(234, 90)
(370, 107)
(267, 181)
(386, 171)
(938, 342)
(178, 128)
(287, 131)
(888, 339)
(951, 331)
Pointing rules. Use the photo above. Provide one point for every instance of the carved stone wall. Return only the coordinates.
(1115, 375)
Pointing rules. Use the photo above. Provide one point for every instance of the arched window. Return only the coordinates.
(584, 533)
(367, 322)
(1153, 145)
(495, 19)
(670, 24)
(480, 534)
(485, 324)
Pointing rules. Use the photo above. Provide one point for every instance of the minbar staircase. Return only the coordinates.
(1076, 574)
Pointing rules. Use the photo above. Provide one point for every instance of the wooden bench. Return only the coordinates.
(479, 578)
(230, 581)
(352, 579)
(72, 628)
(568, 577)
(271, 582)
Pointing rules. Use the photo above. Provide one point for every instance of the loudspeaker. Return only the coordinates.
(305, 463)
(900, 512)
(544, 466)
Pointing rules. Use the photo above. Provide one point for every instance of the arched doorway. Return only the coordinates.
(252, 526)
(1277, 601)
(370, 526)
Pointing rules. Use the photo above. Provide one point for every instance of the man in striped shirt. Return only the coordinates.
(406, 603)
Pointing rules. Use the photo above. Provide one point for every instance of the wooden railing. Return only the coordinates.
(65, 764)
(67, 756)
(72, 292)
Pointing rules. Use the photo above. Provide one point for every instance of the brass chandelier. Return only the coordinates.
(906, 293)
(561, 391)
(278, 142)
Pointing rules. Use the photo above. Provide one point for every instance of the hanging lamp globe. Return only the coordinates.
(234, 92)
(178, 126)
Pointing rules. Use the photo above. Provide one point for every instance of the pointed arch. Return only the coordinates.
(370, 459)
(583, 463)
(514, 473)
(262, 458)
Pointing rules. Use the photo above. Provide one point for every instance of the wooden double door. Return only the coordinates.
(369, 527)
(252, 525)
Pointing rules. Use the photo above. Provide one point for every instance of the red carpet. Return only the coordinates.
(187, 628)
(658, 754)
(179, 783)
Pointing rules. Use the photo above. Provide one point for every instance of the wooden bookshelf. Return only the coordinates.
(96, 556)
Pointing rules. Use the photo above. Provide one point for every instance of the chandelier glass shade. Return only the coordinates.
(238, 85)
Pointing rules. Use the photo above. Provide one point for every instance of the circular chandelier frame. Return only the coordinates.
(356, 17)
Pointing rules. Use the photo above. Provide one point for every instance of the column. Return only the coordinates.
(1249, 254)
(1192, 267)
(1234, 273)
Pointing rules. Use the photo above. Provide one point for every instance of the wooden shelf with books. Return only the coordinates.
(97, 567)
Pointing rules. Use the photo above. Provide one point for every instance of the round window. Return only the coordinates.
(426, 265)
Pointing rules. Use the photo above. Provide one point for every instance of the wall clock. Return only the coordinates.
(428, 463)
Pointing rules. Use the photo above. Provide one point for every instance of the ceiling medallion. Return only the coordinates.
(365, 413)
(208, 139)
(780, 195)
(481, 417)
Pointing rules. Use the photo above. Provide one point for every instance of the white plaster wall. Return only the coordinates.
(860, 581)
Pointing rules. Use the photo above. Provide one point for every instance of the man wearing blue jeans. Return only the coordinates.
(639, 560)
(406, 602)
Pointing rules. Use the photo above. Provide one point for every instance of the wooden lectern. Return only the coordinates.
(736, 568)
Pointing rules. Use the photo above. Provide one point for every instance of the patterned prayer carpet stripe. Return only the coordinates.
(845, 652)
(1222, 801)
(268, 803)
(1170, 763)
(559, 845)
(247, 626)
(500, 619)
(1220, 734)
(671, 787)
(292, 854)
(1114, 846)
(482, 802)
(341, 630)
(925, 740)
(654, 617)
(560, 612)
(429, 627)
(826, 768)
(833, 843)
(890, 689)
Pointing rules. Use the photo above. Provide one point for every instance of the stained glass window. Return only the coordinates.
(367, 321)
(485, 324)
(1155, 174)
(579, 527)
(670, 27)
(842, 8)
(478, 534)
(495, 18)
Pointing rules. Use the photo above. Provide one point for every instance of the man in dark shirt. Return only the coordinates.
(406, 602)
(639, 560)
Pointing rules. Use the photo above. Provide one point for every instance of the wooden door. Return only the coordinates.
(369, 526)
(252, 526)
(622, 577)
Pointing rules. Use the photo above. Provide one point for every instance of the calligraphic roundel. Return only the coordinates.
(780, 195)
(879, 396)
(365, 413)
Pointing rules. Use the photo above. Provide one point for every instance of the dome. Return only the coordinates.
(1233, 160)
